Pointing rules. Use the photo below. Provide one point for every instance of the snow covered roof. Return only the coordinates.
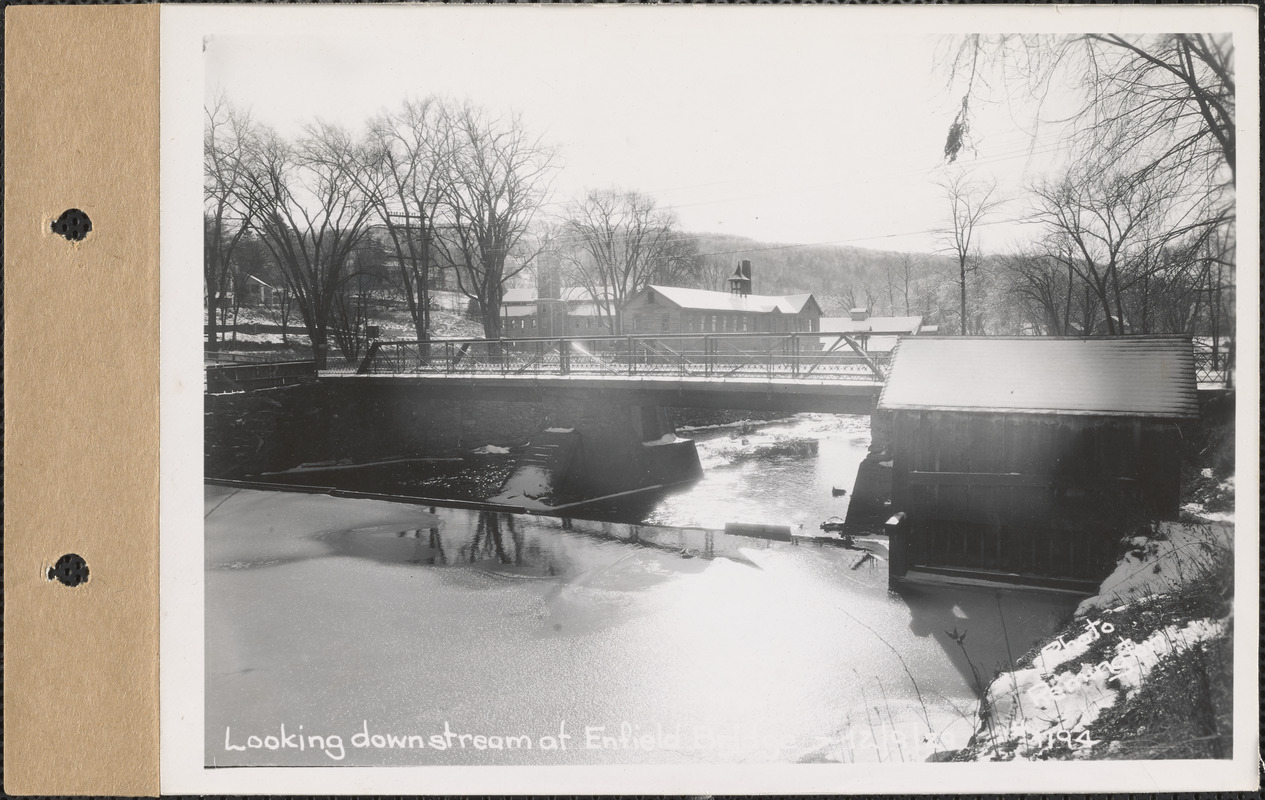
(519, 294)
(882, 324)
(1134, 376)
(705, 300)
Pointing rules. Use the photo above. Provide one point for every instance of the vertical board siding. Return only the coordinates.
(1106, 474)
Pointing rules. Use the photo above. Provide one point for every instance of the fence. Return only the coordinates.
(1214, 362)
(735, 355)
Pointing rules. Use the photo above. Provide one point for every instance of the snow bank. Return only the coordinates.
(526, 486)
(1028, 704)
(667, 438)
(559, 430)
(491, 450)
(1161, 565)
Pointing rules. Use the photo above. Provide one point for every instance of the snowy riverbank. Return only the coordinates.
(1141, 671)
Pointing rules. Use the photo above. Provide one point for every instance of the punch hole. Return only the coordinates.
(73, 224)
(70, 569)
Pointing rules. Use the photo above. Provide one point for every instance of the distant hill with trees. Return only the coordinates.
(840, 276)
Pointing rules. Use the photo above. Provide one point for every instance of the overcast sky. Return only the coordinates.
(795, 128)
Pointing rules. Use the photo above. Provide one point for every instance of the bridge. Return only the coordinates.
(760, 371)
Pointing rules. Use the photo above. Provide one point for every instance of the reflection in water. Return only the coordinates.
(499, 624)
(519, 546)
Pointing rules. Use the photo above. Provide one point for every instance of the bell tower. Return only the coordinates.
(740, 281)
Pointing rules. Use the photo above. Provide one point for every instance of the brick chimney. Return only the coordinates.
(859, 314)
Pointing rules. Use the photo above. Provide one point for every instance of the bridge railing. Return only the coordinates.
(1214, 361)
(729, 355)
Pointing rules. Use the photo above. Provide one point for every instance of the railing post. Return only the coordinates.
(448, 363)
(564, 357)
(708, 353)
(632, 362)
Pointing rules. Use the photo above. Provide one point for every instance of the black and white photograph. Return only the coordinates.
(718, 389)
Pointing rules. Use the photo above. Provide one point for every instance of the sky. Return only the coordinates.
(791, 128)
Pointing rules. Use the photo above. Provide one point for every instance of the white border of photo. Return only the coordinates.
(182, 566)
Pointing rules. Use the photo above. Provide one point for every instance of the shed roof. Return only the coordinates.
(1135, 376)
(883, 324)
(706, 300)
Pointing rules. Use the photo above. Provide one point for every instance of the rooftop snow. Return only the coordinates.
(881, 324)
(724, 301)
(1143, 376)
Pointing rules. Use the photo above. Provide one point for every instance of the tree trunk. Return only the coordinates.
(962, 285)
(492, 315)
(212, 329)
(320, 347)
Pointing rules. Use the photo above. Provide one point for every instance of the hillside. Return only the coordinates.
(840, 276)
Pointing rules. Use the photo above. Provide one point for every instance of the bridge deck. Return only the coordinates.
(844, 397)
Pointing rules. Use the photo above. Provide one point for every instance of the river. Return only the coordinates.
(382, 633)
(780, 472)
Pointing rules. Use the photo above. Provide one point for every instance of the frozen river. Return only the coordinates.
(389, 634)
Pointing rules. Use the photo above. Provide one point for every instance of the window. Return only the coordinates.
(689, 322)
(667, 323)
(650, 298)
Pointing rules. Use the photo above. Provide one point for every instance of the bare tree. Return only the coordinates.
(1043, 287)
(711, 271)
(623, 243)
(1114, 229)
(908, 275)
(1160, 99)
(497, 178)
(357, 297)
(311, 213)
(969, 202)
(226, 213)
(406, 167)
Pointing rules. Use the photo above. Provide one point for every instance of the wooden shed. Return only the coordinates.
(1026, 459)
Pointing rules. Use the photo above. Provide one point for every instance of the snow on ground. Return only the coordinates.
(490, 450)
(667, 438)
(1180, 553)
(340, 614)
(529, 483)
(1028, 705)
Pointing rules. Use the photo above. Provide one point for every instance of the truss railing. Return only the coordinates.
(809, 356)
(1214, 362)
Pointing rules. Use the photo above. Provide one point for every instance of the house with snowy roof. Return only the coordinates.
(573, 313)
(676, 310)
(873, 334)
